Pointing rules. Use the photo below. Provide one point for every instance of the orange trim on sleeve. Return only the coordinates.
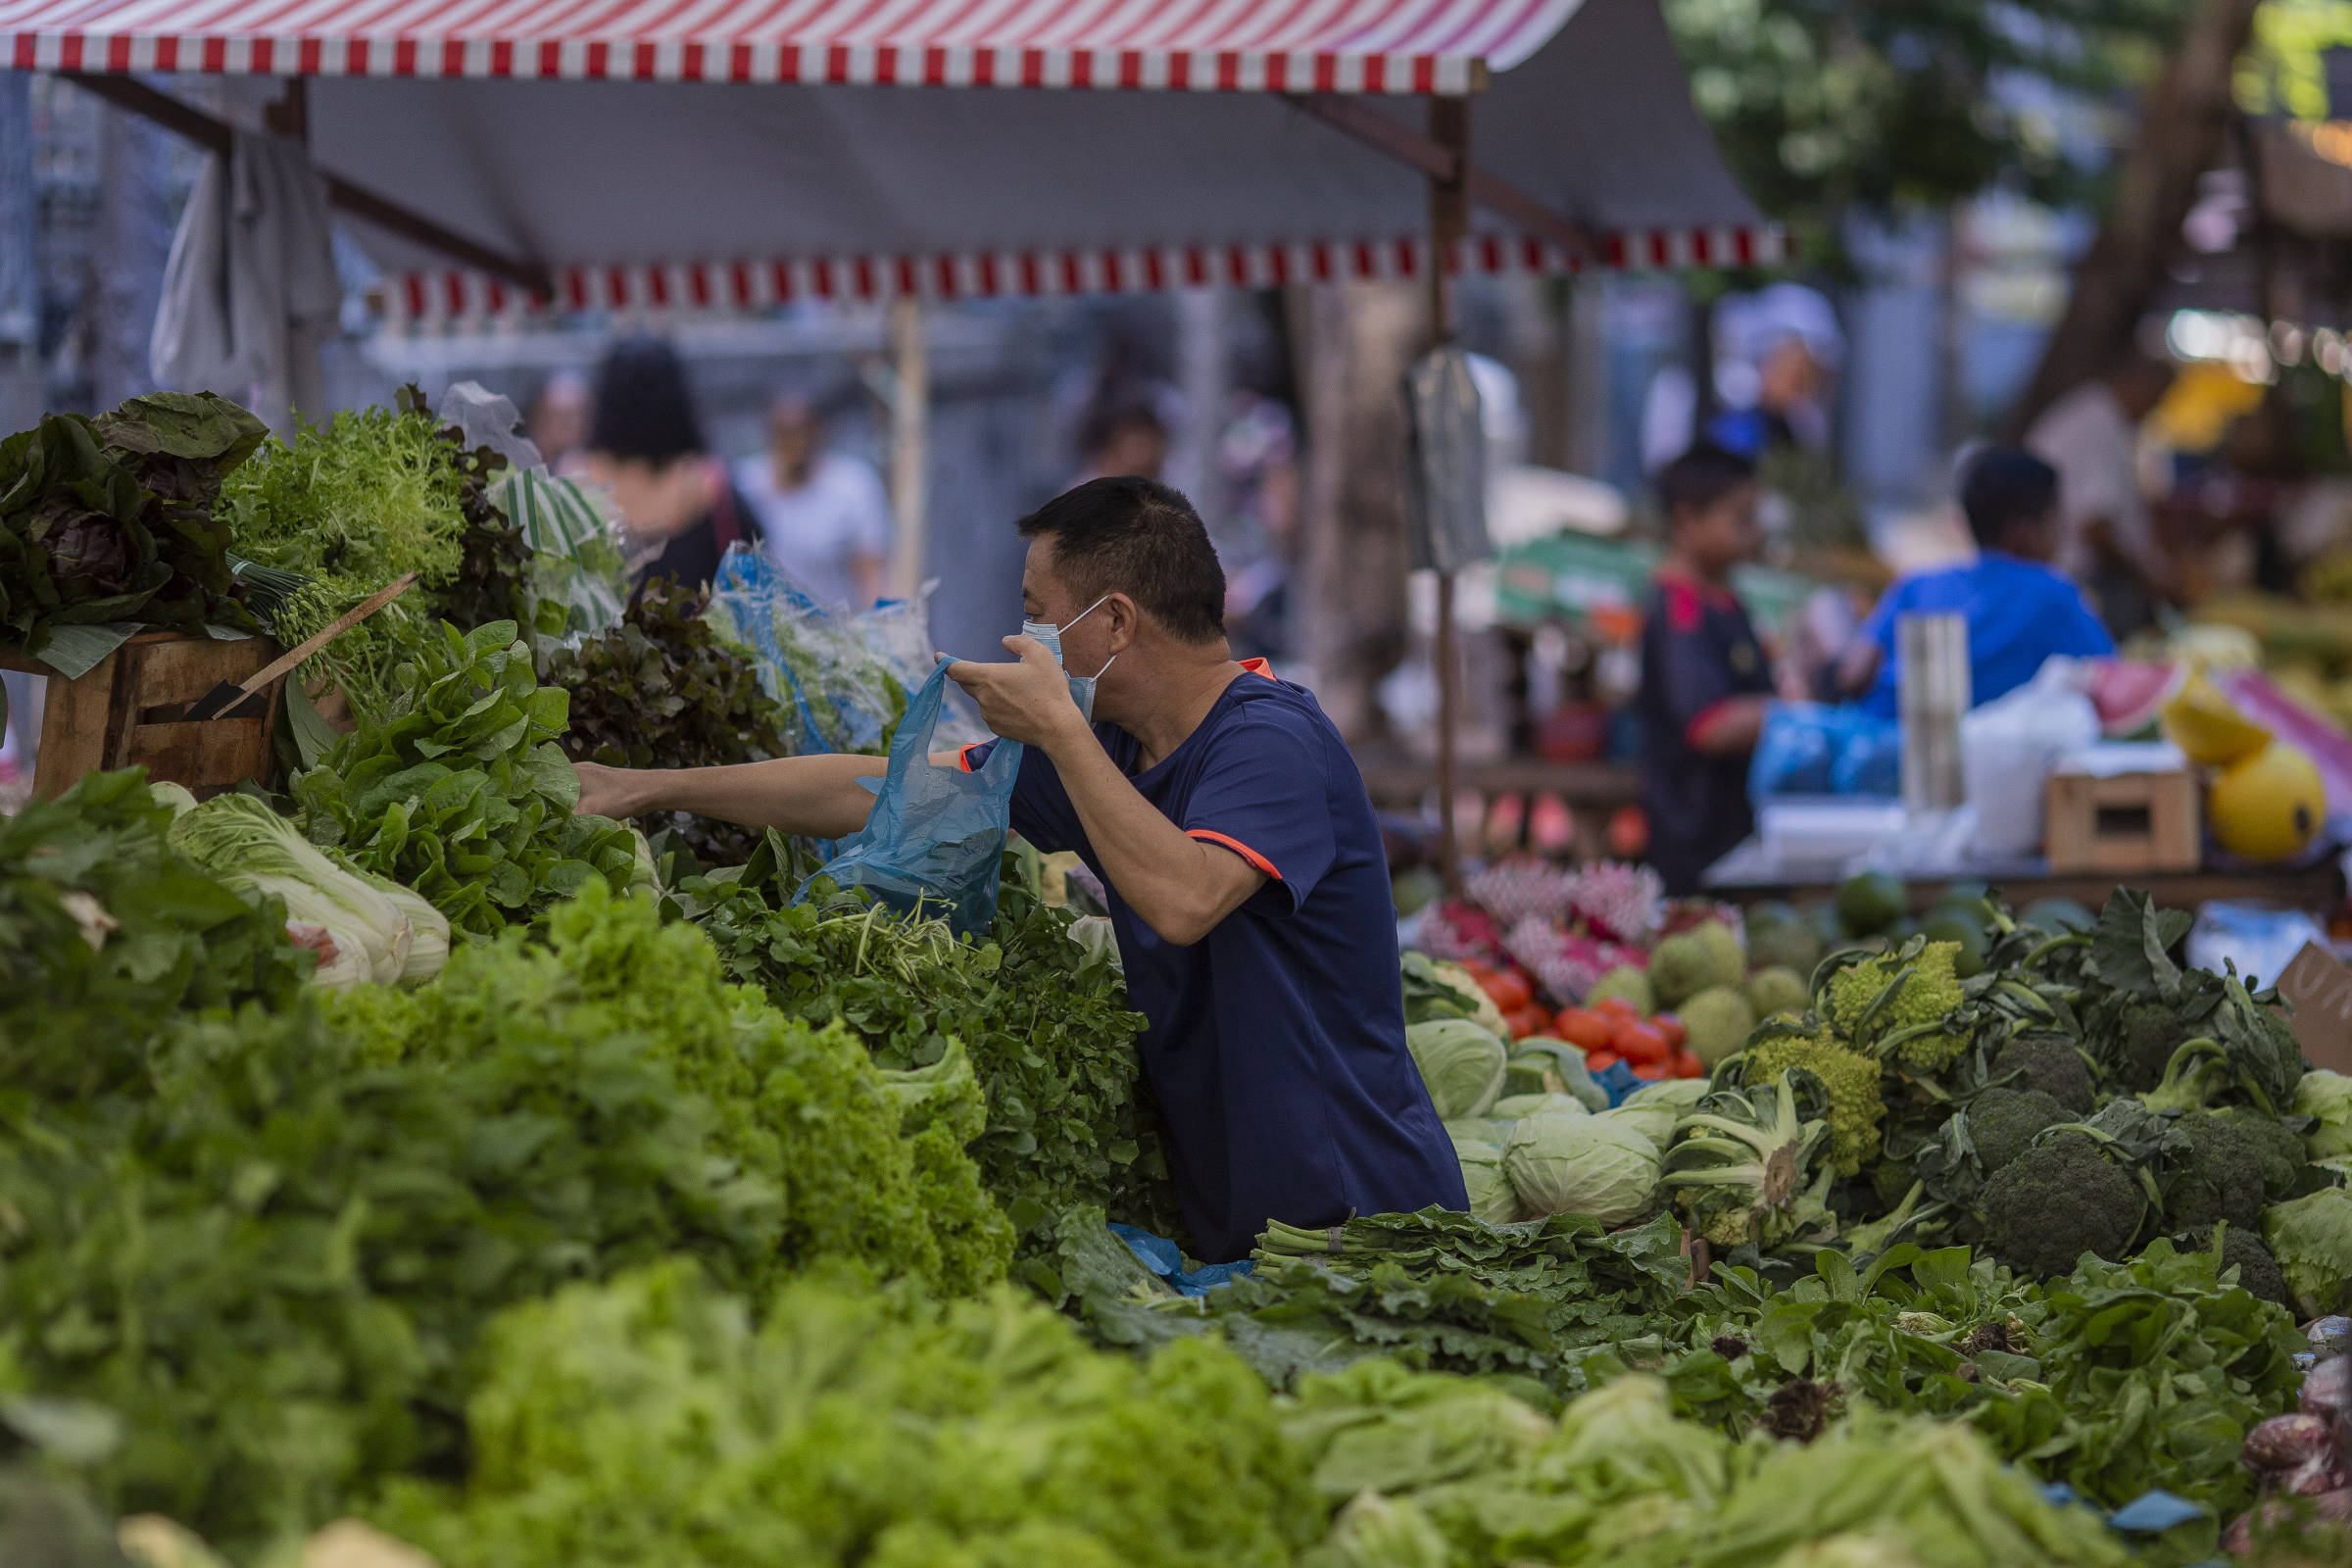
(1257, 860)
(1702, 725)
(1258, 666)
(964, 756)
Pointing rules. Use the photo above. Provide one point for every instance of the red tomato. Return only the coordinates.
(1587, 1031)
(1476, 969)
(1528, 1020)
(1650, 1072)
(1509, 990)
(1599, 1061)
(1618, 1008)
(1687, 1065)
(1641, 1044)
(1667, 1024)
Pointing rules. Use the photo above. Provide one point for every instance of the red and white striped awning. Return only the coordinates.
(1384, 46)
(427, 299)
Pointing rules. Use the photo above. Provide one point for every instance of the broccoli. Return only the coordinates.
(2003, 1122)
(2146, 1036)
(2278, 1146)
(2062, 1197)
(1850, 1076)
(1738, 1166)
(2220, 1178)
(2257, 1270)
(1899, 1002)
(2051, 1066)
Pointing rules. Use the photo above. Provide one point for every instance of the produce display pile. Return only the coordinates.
(390, 1143)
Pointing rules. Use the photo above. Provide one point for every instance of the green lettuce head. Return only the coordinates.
(1491, 1197)
(1655, 1108)
(1581, 1165)
(2312, 1239)
(1462, 1063)
(2329, 1097)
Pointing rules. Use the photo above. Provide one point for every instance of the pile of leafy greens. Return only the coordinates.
(2116, 1380)
(648, 1421)
(658, 691)
(112, 520)
(268, 1239)
(460, 792)
(1071, 1119)
(353, 503)
(106, 931)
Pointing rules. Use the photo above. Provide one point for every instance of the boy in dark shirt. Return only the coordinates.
(1706, 682)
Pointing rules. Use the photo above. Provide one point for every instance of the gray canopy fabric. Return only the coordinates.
(651, 193)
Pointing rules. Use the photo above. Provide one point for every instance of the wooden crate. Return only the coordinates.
(2125, 823)
(126, 712)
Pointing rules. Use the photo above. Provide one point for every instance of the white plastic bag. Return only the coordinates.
(2006, 751)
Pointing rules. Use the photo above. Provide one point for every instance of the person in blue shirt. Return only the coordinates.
(2019, 610)
(1248, 884)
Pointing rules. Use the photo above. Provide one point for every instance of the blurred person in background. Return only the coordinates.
(2020, 611)
(1258, 454)
(1706, 682)
(558, 423)
(1122, 439)
(823, 514)
(2107, 539)
(645, 442)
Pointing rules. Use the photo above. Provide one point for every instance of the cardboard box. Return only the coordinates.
(2319, 985)
(2125, 823)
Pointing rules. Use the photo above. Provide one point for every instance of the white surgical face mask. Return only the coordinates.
(1082, 687)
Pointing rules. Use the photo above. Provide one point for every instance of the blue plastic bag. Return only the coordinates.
(1814, 748)
(935, 833)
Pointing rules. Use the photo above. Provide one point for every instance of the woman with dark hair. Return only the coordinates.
(645, 442)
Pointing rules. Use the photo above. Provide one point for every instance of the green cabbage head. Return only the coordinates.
(2329, 1097)
(1491, 1197)
(1514, 1107)
(1655, 1108)
(1462, 1064)
(1581, 1165)
(2312, 1239)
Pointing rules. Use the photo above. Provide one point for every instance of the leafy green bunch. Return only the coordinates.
(1071, 1119)
(648, 1421)
(271, 1258)
(660, 691)
(869, 1165)
(106, 932)
(460, 790)
(112, 518)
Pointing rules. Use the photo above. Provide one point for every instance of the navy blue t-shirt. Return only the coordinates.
(1698, 653)
(1276, 1044)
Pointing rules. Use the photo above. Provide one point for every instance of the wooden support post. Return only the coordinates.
(1449, 223)
(909, 445)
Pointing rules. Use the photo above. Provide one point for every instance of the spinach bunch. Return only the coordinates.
(460, 790)
(112, 518)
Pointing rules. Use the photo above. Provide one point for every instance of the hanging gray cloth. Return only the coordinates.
(251, 290)
(1444, 463)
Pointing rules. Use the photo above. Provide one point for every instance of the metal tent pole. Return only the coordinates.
(1449, 223)
(909, 445)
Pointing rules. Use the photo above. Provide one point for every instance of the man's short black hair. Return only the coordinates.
(2003, 486)
(644, 408)
(1701, 477)
(1138, 537)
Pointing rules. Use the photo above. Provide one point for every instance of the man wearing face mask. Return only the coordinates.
(1248, 885)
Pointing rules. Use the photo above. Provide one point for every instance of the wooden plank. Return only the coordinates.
(1593, 784)
(2127, 824)
(73, 728)
(208, 756)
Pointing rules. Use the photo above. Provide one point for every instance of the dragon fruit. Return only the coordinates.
(1565, 964)
(1621, 901)
(1517, 890)
(1455, 930)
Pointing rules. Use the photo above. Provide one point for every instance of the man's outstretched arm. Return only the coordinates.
(816, 796)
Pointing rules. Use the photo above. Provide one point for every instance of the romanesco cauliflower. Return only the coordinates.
(1906, 1023)
(1851, 1076)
